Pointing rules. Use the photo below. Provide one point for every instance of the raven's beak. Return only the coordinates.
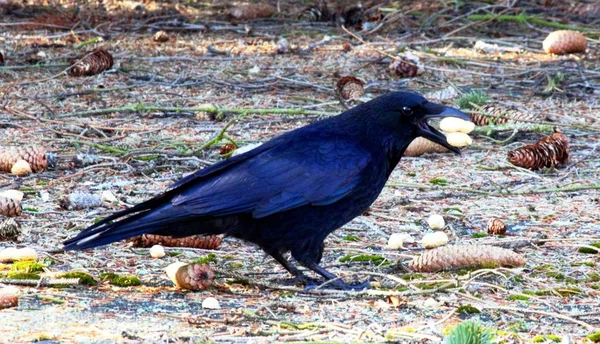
(439, 111)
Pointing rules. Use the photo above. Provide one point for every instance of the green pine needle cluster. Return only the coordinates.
(469, 332)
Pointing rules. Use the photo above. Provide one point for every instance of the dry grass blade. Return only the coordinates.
(462, 256)
(549, 151)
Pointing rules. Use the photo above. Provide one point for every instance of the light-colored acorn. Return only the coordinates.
(211, 303)
(436, 221)
(456, 125)
(194, 276)
(12, 194)
(433, 240)
(397, 240)
(157, 251)
(21, 168)
(12, 254)
(458, 139)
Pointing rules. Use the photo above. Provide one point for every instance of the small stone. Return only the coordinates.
(161, 36)
(211, 303)
(283, 46)
(21, 168)
(157, 251)
(433, 240)
(436, 221)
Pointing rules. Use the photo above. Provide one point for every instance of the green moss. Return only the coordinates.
(27, 266)
(411, 174)
(438, 181)
(590, 250)
(541, 292)
(467, 100)
(594, 277)
(595, 286)
(411, 277)
(31, 210)
(518, 297)
(84, 278)
(373, 258)
(594, 337)
(351, 238)
(23, 275)
(235, 265)
(585, 263)
(546, 337)
(477, 235)
(209, 258)
(467, 309)
(556, 275)
(121, 281)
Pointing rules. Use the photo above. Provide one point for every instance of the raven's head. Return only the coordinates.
(406, 116)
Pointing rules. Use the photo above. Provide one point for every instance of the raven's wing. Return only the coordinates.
(316, 170)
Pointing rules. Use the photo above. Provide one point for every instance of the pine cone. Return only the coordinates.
(421, 145)
(161, 36)
(193, 276)
(404, 68)
(10, 207)
(208, 242)
(496, 227)
(565, 42)
(34, 155)
(493, 114)
(462, 256)
(549, 151)
(350, 87)
(227, 148)
(252, 11)
(91, 63)
(9, 297)
(9, 230)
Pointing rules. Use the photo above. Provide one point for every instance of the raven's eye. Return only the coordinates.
(406, 111)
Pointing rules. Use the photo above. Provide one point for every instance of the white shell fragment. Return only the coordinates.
(397, 240)
(433, 240)
(12, 194)
(456, 125)
(436, 221)
(211, 303)
(171, 271)
(157, 251)
(458, 139)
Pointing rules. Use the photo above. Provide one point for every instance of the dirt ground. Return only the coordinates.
(138, 127)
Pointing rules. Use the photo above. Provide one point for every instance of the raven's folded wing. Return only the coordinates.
(315, 171)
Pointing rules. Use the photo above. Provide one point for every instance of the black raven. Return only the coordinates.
(288, 194)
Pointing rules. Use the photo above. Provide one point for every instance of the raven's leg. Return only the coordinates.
(299, 276)
(337, 282)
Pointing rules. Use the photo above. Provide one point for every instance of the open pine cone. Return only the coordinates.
(91, 63)
(495, 114)
(549, 151)
(36, 157)
(463, 256)
(208, 242)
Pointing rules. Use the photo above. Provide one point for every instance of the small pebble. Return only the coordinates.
(436, 221)
(211, 303)
(157, 251)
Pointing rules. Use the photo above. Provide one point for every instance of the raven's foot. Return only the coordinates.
(339, 285)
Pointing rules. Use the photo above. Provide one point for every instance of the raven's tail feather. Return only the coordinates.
(149, 218)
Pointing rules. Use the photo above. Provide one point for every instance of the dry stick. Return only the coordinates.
(208, 108)
(504, 192)
(43, 282)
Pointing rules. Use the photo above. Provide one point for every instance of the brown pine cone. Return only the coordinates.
(549, 151)
(565, 42)
(403, 68)
(34, 155)
(9, 297)
(227, 148)
(421, 145)
(496, 227)
(494, 114)
(10, 207)
(349, 87)
(208, 242)
(252, 11)
(91, 63)
(462, 256)
(9, 230)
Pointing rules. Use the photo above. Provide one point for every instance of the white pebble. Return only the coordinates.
(436, 221)
(12, 194)
(109, 197)
(433, 240)
(157, 251)
(397, 240)
(211, 303)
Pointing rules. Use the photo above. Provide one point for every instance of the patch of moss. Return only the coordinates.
(84, 278)
(477, 235)
(374, 258)
(546, 337)
(518, 297)
(120, 281)
(466, 101)
(518, 279)
(23, 275)
(590, 250)
(556, 275)
(467, 309)
(27, 266)
(209, 258)
(235, 265)
(585, 263)
(594, 337)
(595, 286)
(438, 181)
(414, 276)
(351, 238)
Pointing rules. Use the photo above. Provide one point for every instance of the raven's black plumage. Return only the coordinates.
(288, 194)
